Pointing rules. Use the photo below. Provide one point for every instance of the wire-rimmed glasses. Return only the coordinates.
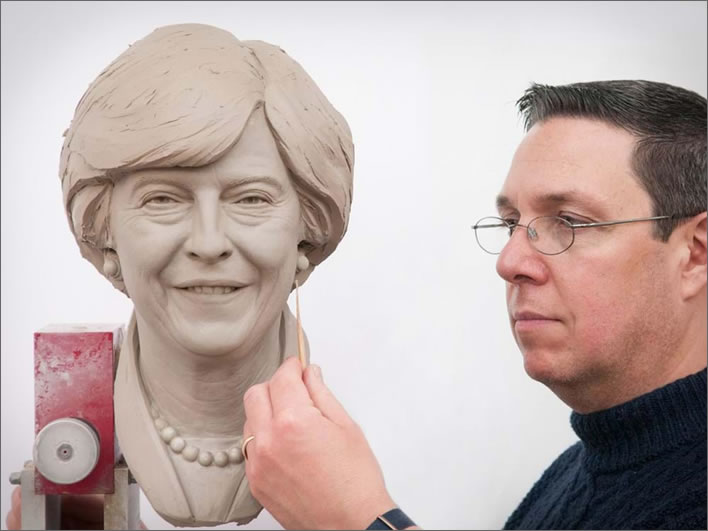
(549, 235)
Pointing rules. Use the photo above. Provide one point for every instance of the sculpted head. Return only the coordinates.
(197, 166)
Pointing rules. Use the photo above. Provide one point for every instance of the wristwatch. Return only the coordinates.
(393, 519)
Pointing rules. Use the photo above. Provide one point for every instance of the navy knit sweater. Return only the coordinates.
(639, 465)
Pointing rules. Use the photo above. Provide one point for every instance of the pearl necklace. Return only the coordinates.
(191, 453)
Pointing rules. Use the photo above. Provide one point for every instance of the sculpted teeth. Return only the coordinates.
(211, 290)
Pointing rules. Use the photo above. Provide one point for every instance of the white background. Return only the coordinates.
(407, 318)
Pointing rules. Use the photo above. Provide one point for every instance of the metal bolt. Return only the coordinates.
(65, 451)
(15, 478)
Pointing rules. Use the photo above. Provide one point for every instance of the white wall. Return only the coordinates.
(407, 318)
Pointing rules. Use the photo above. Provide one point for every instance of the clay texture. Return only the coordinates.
(202, 176)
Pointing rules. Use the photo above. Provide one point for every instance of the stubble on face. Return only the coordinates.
(612, 290)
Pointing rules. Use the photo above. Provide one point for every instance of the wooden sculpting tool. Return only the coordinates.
(300, 335)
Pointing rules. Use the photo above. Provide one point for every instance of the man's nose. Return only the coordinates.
(207, 240)
(520, 262)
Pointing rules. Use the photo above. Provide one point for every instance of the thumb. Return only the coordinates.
(323, 398)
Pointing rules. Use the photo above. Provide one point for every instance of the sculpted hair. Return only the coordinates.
(669, 123)
(181, 97)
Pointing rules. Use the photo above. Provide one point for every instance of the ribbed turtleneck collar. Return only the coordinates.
(645, 426)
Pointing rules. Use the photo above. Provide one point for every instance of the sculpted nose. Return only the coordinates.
(207, 240)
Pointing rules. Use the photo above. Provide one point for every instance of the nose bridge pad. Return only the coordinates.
(533, 235)
(530, 238)
(521, 262)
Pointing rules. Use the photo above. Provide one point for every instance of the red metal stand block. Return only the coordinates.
(74, 369)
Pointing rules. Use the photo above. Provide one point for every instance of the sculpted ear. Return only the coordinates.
(304, 267)
(112, 269)
(694, 269)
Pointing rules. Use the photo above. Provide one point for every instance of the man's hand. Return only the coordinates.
(310, 464)
(77, 512)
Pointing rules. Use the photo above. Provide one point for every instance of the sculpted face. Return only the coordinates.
(208, 254)
(600, 312)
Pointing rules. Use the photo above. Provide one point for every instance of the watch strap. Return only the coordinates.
(393, 519)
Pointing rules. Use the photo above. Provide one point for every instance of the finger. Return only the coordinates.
(287, 389)
(14, 516)
(323, 398)
(259, 412)
(13, 520)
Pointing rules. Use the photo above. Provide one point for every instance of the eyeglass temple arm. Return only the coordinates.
(577, 225)
(606, 223)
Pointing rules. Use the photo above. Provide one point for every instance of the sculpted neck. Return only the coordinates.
(202, 395)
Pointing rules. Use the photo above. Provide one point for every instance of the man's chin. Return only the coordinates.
(542, 367)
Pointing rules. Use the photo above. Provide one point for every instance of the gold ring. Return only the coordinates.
(244, 450)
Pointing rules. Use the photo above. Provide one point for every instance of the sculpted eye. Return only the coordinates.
(160, 200)
(251, 200)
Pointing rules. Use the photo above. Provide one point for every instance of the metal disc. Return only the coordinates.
(66, 450)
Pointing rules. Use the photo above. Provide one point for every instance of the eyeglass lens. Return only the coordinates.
(548, 234)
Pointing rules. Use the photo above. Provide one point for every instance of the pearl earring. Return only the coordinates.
(111, 267)
(302, 262)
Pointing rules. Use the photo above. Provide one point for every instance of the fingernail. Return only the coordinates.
(318, 372)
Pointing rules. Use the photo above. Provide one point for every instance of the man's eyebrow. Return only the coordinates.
(503, 202)
(554, 198)
(571, 197)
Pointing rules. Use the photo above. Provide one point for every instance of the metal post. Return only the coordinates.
(39, 511)
(121, 510)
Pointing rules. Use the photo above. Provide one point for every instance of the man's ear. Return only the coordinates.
(693, 266)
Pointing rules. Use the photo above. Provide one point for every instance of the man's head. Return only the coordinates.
(622, 311)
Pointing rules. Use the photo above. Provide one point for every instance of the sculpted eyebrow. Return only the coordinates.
(232, 182)
(258, 179)
(151, 180)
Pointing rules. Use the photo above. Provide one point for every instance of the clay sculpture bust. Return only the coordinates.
(202, 175)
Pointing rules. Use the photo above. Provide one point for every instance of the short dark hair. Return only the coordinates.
(670, 125)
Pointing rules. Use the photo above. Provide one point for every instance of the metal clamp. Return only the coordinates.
(121, 510)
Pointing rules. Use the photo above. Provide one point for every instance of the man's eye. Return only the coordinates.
(573, 219)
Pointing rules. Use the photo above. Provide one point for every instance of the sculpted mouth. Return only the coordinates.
(210, 290)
